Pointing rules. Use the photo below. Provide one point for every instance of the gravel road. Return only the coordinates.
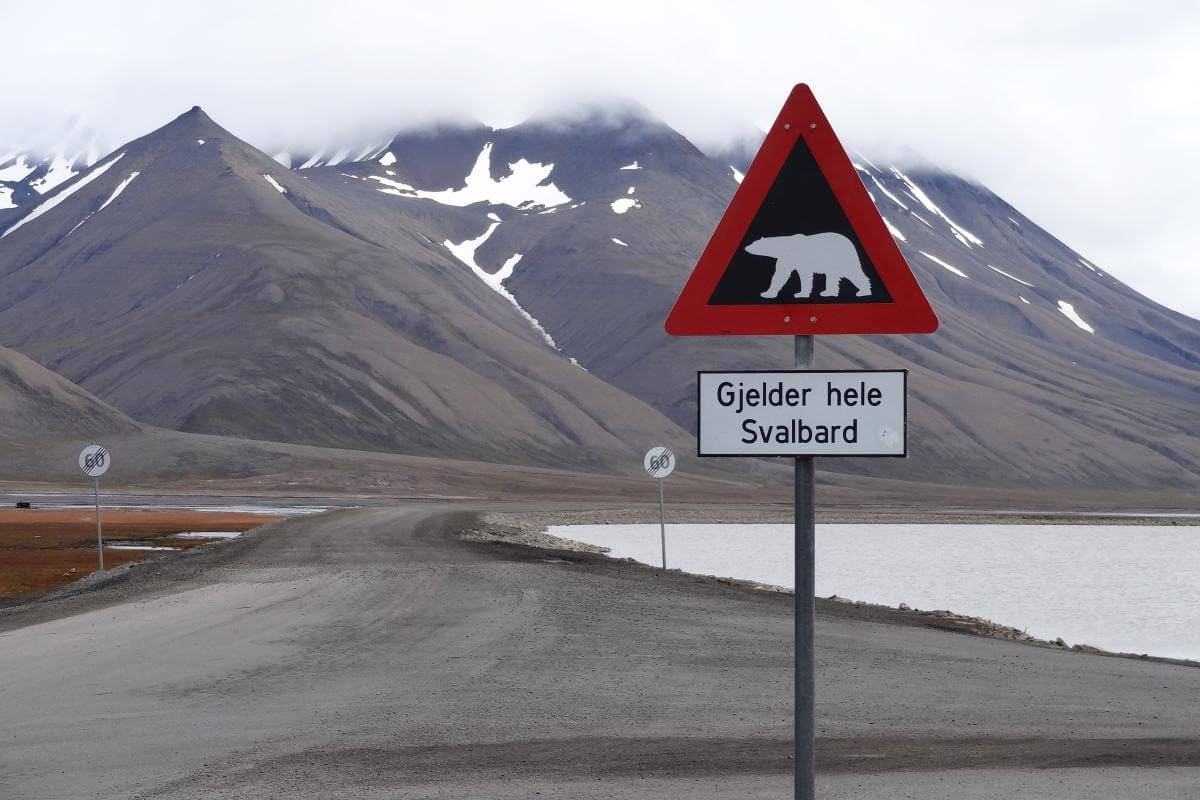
(370, 653)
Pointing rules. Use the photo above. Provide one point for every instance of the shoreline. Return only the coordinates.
(530, 530)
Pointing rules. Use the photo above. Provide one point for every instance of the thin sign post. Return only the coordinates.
(806, 589)
(94, 461)
(659, 463)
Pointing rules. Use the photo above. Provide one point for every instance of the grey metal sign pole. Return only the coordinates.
(99, 534)
(659, 463)
(805, 687)
(662, 522)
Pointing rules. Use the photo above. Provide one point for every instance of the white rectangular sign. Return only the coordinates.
(804, 413)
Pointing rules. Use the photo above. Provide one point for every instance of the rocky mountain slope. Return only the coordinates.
(195, 284)
(37, 406)
(499, 294)
(1046, 369)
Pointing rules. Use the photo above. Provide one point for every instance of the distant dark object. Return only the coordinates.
(23, 504)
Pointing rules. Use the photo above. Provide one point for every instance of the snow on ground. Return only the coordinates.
(738, 175)
(1023, 300)
(60, 172)
(312, 160)
(370, 150)
(892, 229)
(522, 188)
(634, 165)
(284, 158)
(618, 241)
(918, 216)
(199, 141)
(493, 216)
(888, 194)
(1070, 313)
(387, 159)
(206, 535)
(6, 198)
(1010, 277)
(1014, 222)
(275, 183)
(963, 235)
(338, 157)
(116, 193)
(49, 204)
(394, 187)
(18, 170)
(869, 161)
(465, 252)
(621, 205)
(941, 263)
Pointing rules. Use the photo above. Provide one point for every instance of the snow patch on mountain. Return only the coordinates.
(61, 171)
(465, 252)
(738, 175)
(634, 165)
(1068, 311)
(621, 205)
(1011, 277)
(887, 193)
(275, 183)
(961, 233)
(19, 170)
(6, 198)
(54, 201)
(1022, 298)
(387, 159)
(892, 229)
(941, 263)
(116, 193)
(521, 188)
(618, 241)
(338, 157)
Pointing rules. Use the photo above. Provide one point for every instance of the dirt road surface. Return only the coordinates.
(371, 654)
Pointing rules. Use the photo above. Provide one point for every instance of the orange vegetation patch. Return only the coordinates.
(42, 549)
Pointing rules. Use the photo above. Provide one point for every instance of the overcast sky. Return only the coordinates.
(1084, 115)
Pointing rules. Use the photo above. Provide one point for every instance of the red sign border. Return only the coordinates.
(909, 311)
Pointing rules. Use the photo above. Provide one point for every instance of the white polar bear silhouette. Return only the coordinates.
(829, 254)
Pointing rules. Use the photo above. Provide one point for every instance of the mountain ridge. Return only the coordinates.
(573, 240)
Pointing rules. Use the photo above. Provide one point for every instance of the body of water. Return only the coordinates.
(1128, 588)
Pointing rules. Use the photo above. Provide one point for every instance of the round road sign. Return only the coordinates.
(659, 462)
(94, 460)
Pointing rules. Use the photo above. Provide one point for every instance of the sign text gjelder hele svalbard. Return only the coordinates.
(802, 413)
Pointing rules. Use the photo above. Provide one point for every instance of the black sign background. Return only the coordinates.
(800, 201)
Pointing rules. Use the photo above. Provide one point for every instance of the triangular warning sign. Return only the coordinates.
(801, 249)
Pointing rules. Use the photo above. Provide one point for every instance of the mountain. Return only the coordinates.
(499, 294)
(37, 406)
(195, 284)
(1046, 370)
